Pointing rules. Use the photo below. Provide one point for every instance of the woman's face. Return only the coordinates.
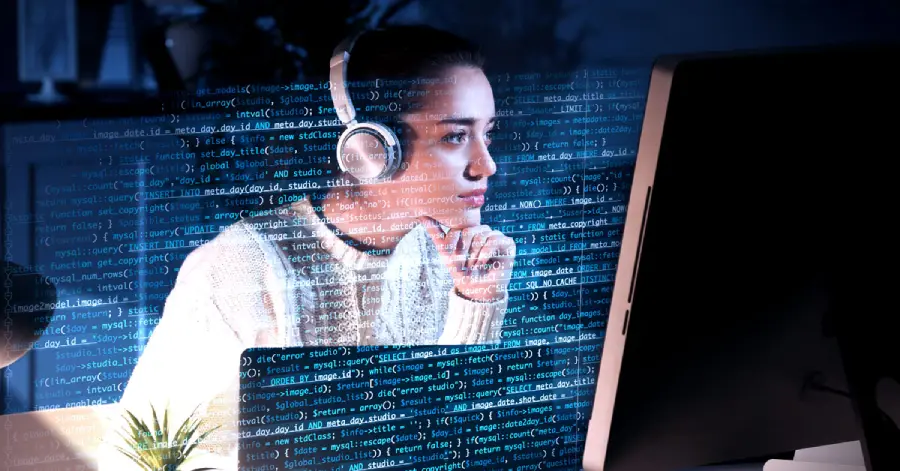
(448, 158)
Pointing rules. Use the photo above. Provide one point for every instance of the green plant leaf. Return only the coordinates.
(131, 442)
(152, 447)
(156, 422)
(135, 458)
(166, 421)
(139, 429)
(187, 431)
(183, 438)
(200, 439)
(139, 432)
(181, 430)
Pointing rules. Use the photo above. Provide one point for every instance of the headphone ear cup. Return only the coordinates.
(369, 152)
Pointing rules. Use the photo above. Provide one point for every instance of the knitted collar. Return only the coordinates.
(348, 256)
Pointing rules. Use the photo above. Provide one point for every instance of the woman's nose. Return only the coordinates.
(481, 165)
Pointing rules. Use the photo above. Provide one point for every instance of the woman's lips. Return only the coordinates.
(473, 199)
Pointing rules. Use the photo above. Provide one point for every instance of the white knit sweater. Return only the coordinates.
(279, 280)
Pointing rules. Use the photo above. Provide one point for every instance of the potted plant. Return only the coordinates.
(154, 448)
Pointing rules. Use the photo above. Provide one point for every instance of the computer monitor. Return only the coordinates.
(758, 236)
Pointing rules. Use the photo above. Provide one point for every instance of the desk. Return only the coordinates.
(68, 439)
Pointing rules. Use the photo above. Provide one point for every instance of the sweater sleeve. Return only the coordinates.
(473, 322)
(192, 358)
(465, 322)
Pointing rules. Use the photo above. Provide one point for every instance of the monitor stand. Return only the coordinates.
(861, 317)
(785, 465)
(48, 93)
(846, 454)
(874, 384)
(840, 457)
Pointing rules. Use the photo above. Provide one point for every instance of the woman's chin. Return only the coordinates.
(467, 218)
(455, 218)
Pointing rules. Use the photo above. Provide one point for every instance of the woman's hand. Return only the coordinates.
(480, 259)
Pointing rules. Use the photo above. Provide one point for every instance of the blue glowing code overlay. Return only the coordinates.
(107, 209)
(416, 408)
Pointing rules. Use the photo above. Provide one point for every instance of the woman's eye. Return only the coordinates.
(461, 137)
(455, 138)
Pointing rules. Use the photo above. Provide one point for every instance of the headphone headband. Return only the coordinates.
(340, 96)
(367, 151)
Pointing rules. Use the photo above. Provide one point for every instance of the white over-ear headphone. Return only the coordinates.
(368, 151)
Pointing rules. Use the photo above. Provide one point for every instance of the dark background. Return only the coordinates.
(131, 48)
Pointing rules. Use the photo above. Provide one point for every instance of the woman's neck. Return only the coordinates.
(364, 221)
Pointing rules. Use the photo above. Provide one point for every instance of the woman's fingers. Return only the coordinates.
(476, 236)
(471, 240)
(497, 255)
(488, 249)
(478, 246)
(471, 250)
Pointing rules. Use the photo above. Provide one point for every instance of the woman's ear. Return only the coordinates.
(405, 133)
(406, 137)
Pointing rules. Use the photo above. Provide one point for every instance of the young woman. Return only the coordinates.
(404, 261)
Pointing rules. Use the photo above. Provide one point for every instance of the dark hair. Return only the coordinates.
(409, 51)
(398, 54)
